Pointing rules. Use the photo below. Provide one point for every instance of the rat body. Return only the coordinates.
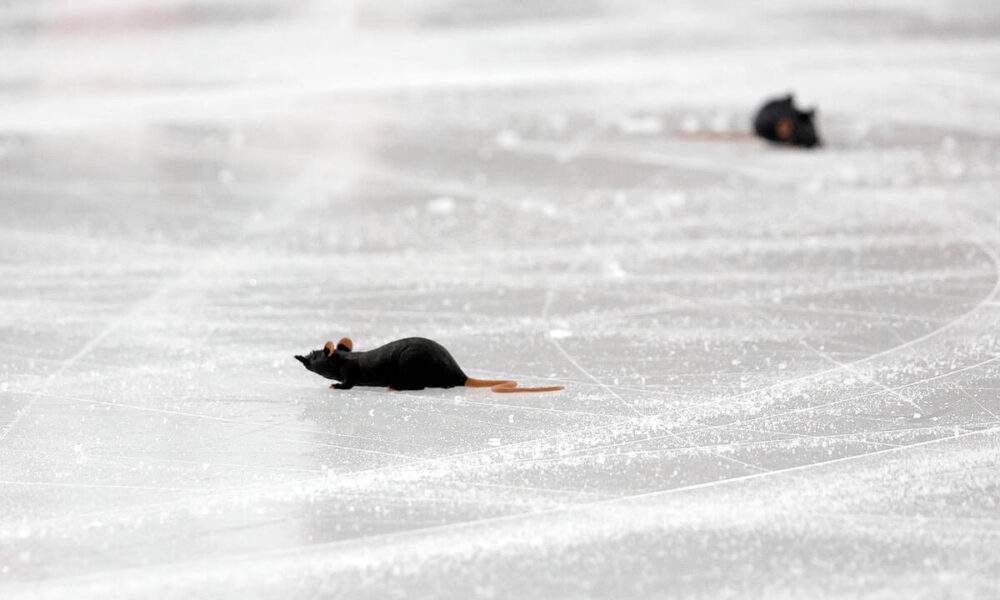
(407, 364)
(781, 122)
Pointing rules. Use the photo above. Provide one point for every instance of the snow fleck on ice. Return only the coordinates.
(441, 206)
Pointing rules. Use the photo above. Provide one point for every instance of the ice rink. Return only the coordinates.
(781, 367)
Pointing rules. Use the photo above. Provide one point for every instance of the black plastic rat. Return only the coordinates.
(779, 121)
(407, 364)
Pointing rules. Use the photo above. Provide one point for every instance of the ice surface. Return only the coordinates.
(782, 368)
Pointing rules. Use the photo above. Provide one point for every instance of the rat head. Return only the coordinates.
(329, 361)
(804, 130)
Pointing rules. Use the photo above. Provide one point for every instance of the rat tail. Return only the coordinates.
(506, 386)
(715, 136)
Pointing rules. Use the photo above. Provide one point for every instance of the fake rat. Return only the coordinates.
(408, 364)
(780, 121)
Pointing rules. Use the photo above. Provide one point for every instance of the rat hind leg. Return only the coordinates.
(411, 372)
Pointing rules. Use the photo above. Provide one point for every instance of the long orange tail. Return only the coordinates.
(506, 386)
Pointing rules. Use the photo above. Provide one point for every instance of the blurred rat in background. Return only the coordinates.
(781, 122)
(778, 121)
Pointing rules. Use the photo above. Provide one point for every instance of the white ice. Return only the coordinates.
(781, 368)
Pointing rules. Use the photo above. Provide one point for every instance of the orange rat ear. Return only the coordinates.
(785, 129)
(345, 345)
(329, 348)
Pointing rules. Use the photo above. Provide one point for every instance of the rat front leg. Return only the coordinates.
(349, 375)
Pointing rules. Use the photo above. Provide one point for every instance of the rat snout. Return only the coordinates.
(302, 359)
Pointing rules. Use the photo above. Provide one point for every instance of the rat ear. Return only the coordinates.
(329, 348)
(785, 129)
(345, 345)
